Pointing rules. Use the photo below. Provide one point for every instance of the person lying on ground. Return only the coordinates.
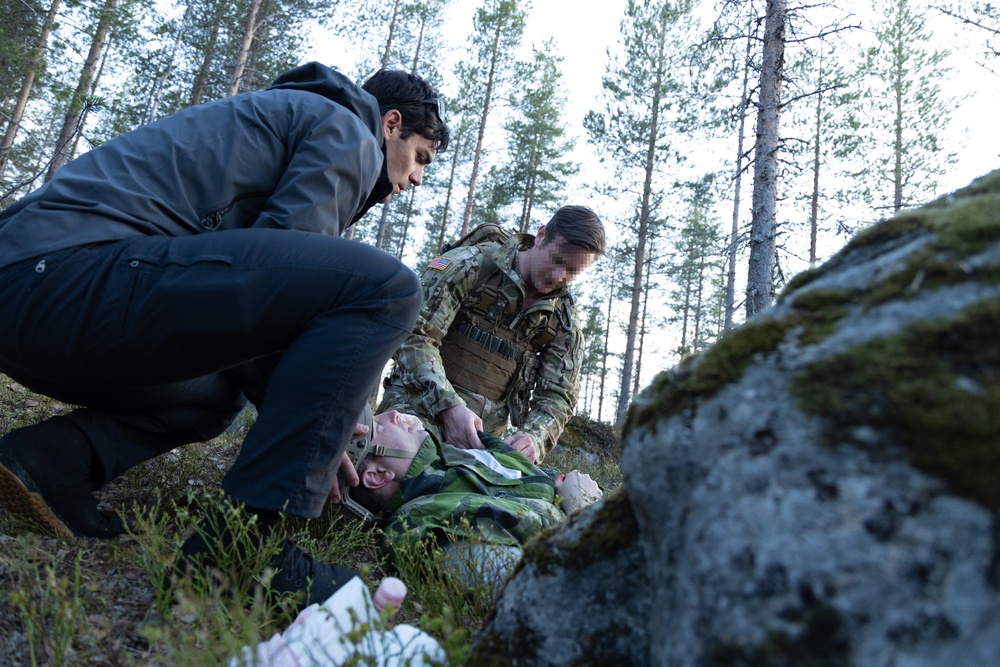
(421, 487)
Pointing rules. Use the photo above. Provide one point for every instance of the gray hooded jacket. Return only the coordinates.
(306, 154)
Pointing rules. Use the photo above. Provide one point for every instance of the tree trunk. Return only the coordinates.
(392, 30)
(157, 93)
(198, 87)
(406, 223)
(529, 190)
(477, 153)
(700, 284)
(642, 327)
(734, 236)
(640, 247)
(26, 84)
(604, 357)
(897, 139)
(760, 287)
(451, 187)
(687, 314)
(814, 203)
(241, 56)
(383, 222)
(93, 91)
(73, 120)
(420, 41)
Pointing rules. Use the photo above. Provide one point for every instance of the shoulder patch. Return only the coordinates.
(439, 263)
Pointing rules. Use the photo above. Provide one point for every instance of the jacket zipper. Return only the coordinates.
(213, 220)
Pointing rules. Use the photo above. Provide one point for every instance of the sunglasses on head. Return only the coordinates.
(438, 104)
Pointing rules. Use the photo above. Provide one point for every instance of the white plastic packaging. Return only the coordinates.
(318, 636)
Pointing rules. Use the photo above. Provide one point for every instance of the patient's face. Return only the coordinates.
(398, 431)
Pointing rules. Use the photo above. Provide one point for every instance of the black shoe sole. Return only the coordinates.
(21, 497)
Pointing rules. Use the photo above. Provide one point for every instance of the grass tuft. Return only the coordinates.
(117, 602)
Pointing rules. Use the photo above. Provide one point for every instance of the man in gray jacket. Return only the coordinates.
(162, 279)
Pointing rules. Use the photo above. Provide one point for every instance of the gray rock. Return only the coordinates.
(820, 487)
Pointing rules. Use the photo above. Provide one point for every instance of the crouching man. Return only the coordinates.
(423, 487)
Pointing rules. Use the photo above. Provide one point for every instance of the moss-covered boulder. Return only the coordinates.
(821, 487)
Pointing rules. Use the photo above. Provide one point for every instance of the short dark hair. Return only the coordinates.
(404, 92)
(579, 226)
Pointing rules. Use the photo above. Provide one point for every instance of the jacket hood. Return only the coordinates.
(331, 84)
(317, 78)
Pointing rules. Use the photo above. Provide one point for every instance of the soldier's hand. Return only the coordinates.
(349, 473)
(576, 490)
(347, 470)
(523, 443)
(461, 426)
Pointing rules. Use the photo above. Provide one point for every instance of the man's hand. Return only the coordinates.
(347, 468)
(523, 443)
(461, 426)
(576, 490)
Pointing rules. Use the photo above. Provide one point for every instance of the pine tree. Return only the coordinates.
(741, 110)
(590, 364)
(634, 128)
(496, 36)
(446, 218)
(819, 120)
(210, 22)
(902, 113)
(535, 173)
(763, 226)
(79, 103)
(413, 44)
(20, 59)
(695, 269)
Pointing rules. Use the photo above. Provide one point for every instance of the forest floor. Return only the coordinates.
(108, 602)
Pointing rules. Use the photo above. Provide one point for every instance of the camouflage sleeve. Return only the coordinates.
(553, 398)
(418, 360)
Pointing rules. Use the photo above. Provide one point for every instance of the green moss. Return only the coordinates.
(591, 435)
(965, 221)
(722, 364)
(817, 312)
(492, 649)
(935, 389)
(799, 281)
(968, 227)
(962, 223)
(986, 185)
(819, 300)
(887, 232)
(612, 529)
(814, 313)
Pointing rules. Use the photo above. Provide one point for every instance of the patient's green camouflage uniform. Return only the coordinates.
(459, 354)
(495, 494)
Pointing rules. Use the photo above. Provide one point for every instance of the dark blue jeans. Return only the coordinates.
(160, 338)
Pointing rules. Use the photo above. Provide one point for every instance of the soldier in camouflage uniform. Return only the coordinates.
(498, 338)
(425, 487)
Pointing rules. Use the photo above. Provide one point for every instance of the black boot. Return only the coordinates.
(215, 546)
(47, 477)
(295, 572)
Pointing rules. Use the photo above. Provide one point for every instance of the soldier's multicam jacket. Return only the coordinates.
(418, 383)
(494, 494)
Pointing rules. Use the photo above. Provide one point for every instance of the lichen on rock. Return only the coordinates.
(822, 486)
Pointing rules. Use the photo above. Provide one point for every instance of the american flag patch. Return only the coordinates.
(439, 263)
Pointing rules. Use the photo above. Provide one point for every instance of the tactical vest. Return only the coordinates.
(484, 355)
